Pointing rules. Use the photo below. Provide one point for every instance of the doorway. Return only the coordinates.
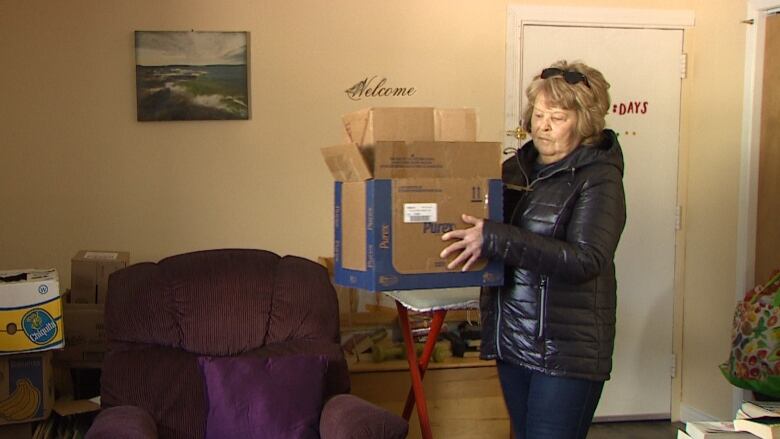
(759, 154)
(644, 67)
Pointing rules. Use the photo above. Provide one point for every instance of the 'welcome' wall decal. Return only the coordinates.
(373, 88)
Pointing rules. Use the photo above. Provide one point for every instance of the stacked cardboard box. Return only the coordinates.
(26, 389)
(30, 326)
(30, 311)
(89, 272)
(404, 179)
(85, 340)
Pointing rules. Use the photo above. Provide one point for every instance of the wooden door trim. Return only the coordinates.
(749, 151)
(751, 136)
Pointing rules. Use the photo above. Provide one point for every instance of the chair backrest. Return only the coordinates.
(160, 317)
(221, 302)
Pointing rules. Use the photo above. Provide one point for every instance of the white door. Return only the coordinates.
(643, 68)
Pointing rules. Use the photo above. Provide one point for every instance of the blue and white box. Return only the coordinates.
(394, 200)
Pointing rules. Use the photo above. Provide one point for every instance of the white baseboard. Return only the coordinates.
(624, 418)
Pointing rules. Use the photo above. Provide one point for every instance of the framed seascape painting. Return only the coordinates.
(191, 75)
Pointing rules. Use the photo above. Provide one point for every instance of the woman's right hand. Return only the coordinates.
(469, 243)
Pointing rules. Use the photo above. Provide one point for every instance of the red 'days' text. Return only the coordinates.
(632, 107)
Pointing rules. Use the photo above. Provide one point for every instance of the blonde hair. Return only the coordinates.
(590, 100)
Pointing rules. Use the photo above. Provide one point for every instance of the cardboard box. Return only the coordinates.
(371, 125)
(17, 431)
(26, 390)
(30, 311)
(67, 407)
(89, 271)
(394, 200)
(85, 339)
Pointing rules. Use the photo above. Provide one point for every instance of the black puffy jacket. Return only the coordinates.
(555, 312)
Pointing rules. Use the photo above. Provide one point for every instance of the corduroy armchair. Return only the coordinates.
(165, 320)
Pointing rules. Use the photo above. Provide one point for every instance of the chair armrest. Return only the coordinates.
(123, 422)
(349, 417)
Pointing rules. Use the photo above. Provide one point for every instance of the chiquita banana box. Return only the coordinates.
(26, 393)
(30, 311)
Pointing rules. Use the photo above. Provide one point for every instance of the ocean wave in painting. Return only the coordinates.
(214, 92)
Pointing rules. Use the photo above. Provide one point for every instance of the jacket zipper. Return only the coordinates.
(498, 324)
(542, 306)
(530, 186)
(556, 172)
(543, 281)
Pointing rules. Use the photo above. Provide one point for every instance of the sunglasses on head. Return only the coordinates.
(570, 76)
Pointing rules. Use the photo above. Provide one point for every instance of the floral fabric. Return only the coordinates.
(754, 362)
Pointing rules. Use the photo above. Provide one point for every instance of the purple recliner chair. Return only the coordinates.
(172, 325)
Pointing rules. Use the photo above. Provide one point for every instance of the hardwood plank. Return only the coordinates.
(463, 402)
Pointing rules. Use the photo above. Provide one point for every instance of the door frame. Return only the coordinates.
(755, 31)
(521, 15)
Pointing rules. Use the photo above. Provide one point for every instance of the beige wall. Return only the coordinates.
(78, 172)
(713, 96)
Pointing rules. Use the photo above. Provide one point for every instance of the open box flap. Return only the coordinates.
(346, 163)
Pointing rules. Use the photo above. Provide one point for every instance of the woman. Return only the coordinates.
(551, 326)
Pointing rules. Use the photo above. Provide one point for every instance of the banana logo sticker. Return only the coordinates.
(39, 326)
(22, 403)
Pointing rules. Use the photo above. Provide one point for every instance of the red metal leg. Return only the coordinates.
(414, 371)
(430, 344)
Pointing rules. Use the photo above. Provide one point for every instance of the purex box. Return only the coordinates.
(30, 311)
(394, 200)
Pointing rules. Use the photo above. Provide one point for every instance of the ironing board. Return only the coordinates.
(437, 302)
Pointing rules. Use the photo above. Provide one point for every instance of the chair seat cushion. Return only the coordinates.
(263, 398)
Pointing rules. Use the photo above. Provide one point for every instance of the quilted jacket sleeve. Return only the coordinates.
(598, 215)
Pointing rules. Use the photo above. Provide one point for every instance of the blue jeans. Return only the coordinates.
(547, 407)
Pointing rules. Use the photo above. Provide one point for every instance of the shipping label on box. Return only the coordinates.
(30, 311)
(26, 391)
(388, 229)
(89, 272)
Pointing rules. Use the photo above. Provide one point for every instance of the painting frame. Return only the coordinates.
(192, 75)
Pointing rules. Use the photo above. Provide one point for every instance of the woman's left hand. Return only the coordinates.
(469, 243)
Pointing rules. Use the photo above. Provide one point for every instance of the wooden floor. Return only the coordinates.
(465, 402)
(635, 430)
